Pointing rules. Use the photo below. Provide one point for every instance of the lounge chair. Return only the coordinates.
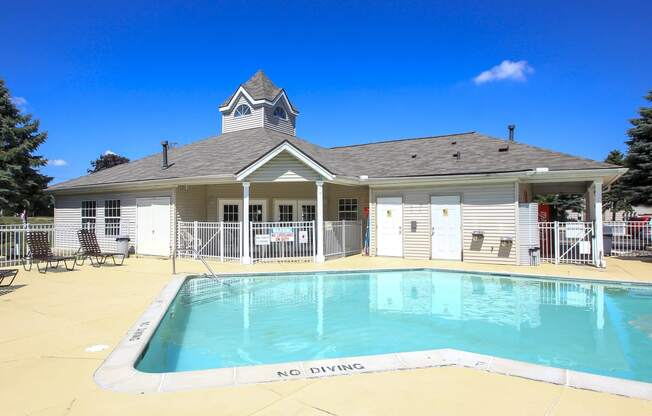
(89, 248)
(40, 252)
(6, 273)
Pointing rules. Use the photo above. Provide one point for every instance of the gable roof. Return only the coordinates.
(259, 87)
(228, 154)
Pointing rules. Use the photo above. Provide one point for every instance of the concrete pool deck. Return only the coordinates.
(48, 321)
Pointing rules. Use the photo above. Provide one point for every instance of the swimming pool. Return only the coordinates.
(595, 327)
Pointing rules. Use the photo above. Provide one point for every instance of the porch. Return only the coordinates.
(298, 221)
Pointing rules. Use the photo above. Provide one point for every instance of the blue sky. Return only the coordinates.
(122, 76)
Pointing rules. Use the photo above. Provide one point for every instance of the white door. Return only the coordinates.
(390, 226)
(153, 223)
(446, 222)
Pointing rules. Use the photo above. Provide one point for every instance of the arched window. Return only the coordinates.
(280, 113)
(242, 110)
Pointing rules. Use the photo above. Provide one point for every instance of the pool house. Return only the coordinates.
(257, 192)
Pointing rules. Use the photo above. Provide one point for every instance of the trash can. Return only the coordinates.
(535, 258)
(122, 244)
(608, 239)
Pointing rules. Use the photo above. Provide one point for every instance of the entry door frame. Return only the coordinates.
(461, 225)
(151, 200)
(401, 231)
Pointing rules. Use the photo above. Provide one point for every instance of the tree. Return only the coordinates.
(107, 160)
(562, 204)
(616, 199)
(21, 183)
(638, 178)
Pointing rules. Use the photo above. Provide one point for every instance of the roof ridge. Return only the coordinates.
(405, 139)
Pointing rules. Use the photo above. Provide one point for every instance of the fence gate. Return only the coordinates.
(215, 240)
(283, 241)
(566, 242)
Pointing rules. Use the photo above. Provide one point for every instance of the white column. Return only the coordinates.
(597, 213)
(320, 222)
(246, 258)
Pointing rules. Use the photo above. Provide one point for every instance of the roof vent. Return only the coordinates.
(504, 148)
(511, 129)
(457, 155)
(414, 156)
(454, 142)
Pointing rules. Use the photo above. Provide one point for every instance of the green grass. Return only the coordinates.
(31, 220)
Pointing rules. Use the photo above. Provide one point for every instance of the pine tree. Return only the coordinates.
(616, 199)
(638, 179)
(21, 184)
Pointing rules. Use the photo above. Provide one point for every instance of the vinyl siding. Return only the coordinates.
(284, 168)
(191, 203)
(67, 208)
(286, 126)
(490, 208)
(231, 123)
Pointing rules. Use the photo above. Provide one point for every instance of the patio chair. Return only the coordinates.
(7, 273)
(40, 252)
(89, 248)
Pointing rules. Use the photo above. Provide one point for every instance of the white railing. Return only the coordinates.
(342, 238)
(215, 240)
(566, 242)
(628, 238)
(282, 241)
(63, 239)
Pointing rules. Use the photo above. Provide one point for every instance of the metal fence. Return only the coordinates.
(628, 238)
(342, 238)
(63, 239)
(216, 240)
(282, 241)
(566, 242)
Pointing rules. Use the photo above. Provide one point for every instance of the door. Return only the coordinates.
(390, 226)
(446, 223)
(153, 223)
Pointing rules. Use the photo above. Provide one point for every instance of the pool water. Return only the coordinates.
(262, 319)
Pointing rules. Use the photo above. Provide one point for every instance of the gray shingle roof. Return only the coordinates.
(260, 87)
(229, 153)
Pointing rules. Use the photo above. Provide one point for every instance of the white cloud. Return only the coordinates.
(109, 152)
(57, 162)
(19, 101)
(506, 70)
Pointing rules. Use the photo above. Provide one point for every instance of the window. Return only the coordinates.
(285, 212)
(231, 213)
(88, 214)
(112, 217)
(256, 212)
(280, 113)
(348, 209)
(242, 110)
(308, 212)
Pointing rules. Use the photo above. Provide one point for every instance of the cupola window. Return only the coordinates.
(242, 110)
(280, 113)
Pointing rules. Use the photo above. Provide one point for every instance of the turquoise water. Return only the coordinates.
(261, 319)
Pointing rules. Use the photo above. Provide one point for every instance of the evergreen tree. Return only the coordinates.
(616, 199)
(21, 183)
(562, 204)
(107, 160)
(638, 179)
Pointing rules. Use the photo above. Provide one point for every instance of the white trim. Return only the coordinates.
(301, 202)
(295, 208)
(285, 147)
(243, 91)
(220, 208)
(262, 202)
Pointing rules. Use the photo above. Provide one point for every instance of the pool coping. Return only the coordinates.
(118, 373)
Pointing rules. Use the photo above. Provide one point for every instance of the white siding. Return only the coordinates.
(284, 168)
(67, 208)
(231, 123)
(489, 208)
